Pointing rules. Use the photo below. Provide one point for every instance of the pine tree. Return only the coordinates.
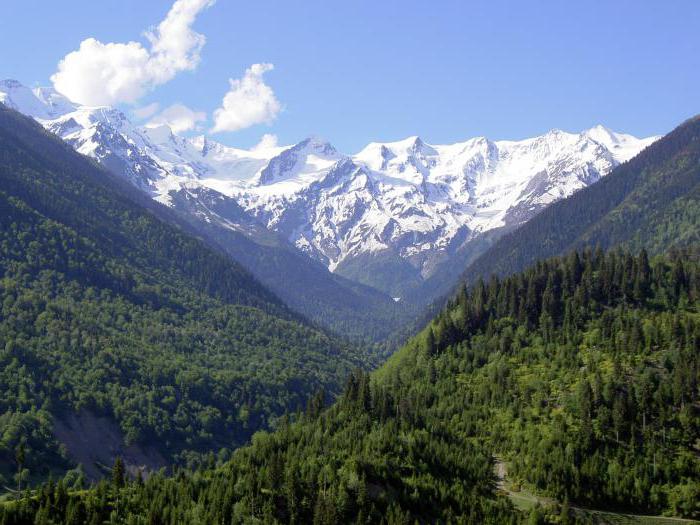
(118, 473)
(20, 457)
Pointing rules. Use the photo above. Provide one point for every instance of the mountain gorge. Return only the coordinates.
(397, 217)
(356, 311)
(581, 373)
(121, 333)
(577, 375)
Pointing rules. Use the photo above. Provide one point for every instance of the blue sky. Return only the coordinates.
(357, 71)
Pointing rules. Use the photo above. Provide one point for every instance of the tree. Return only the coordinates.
(20, 456)
(618, 415)
(585, 407)
(430, 344)
(118, 473)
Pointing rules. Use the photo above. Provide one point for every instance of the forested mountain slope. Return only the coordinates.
(651, 201)
(349, 309)
(142, 156)
(581, 372)
(114, 319)
(403, 217)
(588, 368)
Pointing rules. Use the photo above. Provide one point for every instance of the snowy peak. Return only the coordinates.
(622, 146)
(20, 98)
(411, 146)
(302, 163)
(603, 135)
(410, 159)
(40, 103)
(407, 202)
(401, 149)
(55, 103)
(318, 146)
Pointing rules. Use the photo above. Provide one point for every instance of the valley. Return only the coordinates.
(580, 371)
(363, 263)
(396, 217)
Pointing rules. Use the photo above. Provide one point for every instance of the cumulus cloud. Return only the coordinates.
(267, 141)
(146, 111)
(249, 101)
(179, 118)
(112, 73)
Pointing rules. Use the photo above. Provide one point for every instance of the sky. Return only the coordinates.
(360, 71)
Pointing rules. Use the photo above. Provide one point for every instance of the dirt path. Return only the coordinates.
(522, 498)
(525, 500)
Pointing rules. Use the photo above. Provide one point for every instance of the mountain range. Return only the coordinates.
(131, 327)
(122, 333)
(651, 203)
(398, 217)
(572, 384)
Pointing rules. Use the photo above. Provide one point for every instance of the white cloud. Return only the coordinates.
(249, 101)
(113, 73)
(146, 111)
(267, 141)
(179, 118)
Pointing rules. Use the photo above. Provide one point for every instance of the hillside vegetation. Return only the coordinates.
(582, 372)
(109, 311)
(651, 202)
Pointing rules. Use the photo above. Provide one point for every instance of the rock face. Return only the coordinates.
(390, 216)
(94, 441)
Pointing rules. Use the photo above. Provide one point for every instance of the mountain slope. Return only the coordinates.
(115, 320)
(349, 309)
(581, 373)
(650, 201)
(396, 216)
(391, 215)
(167, 168)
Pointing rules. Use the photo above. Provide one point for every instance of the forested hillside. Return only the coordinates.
(588, 367)
(650, 201)
(350, 310)
(109, 315)
(582, 373)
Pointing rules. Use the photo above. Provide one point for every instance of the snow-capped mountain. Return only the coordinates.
(405, 203)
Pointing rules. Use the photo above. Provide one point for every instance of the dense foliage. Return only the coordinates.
(588, 370)
(351, 310)
(109, 311)
(368, 459)
(582, 373)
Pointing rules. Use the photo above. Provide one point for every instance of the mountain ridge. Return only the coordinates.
(110, 310)
(402, 208)
(627, 209)
(148, 157)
